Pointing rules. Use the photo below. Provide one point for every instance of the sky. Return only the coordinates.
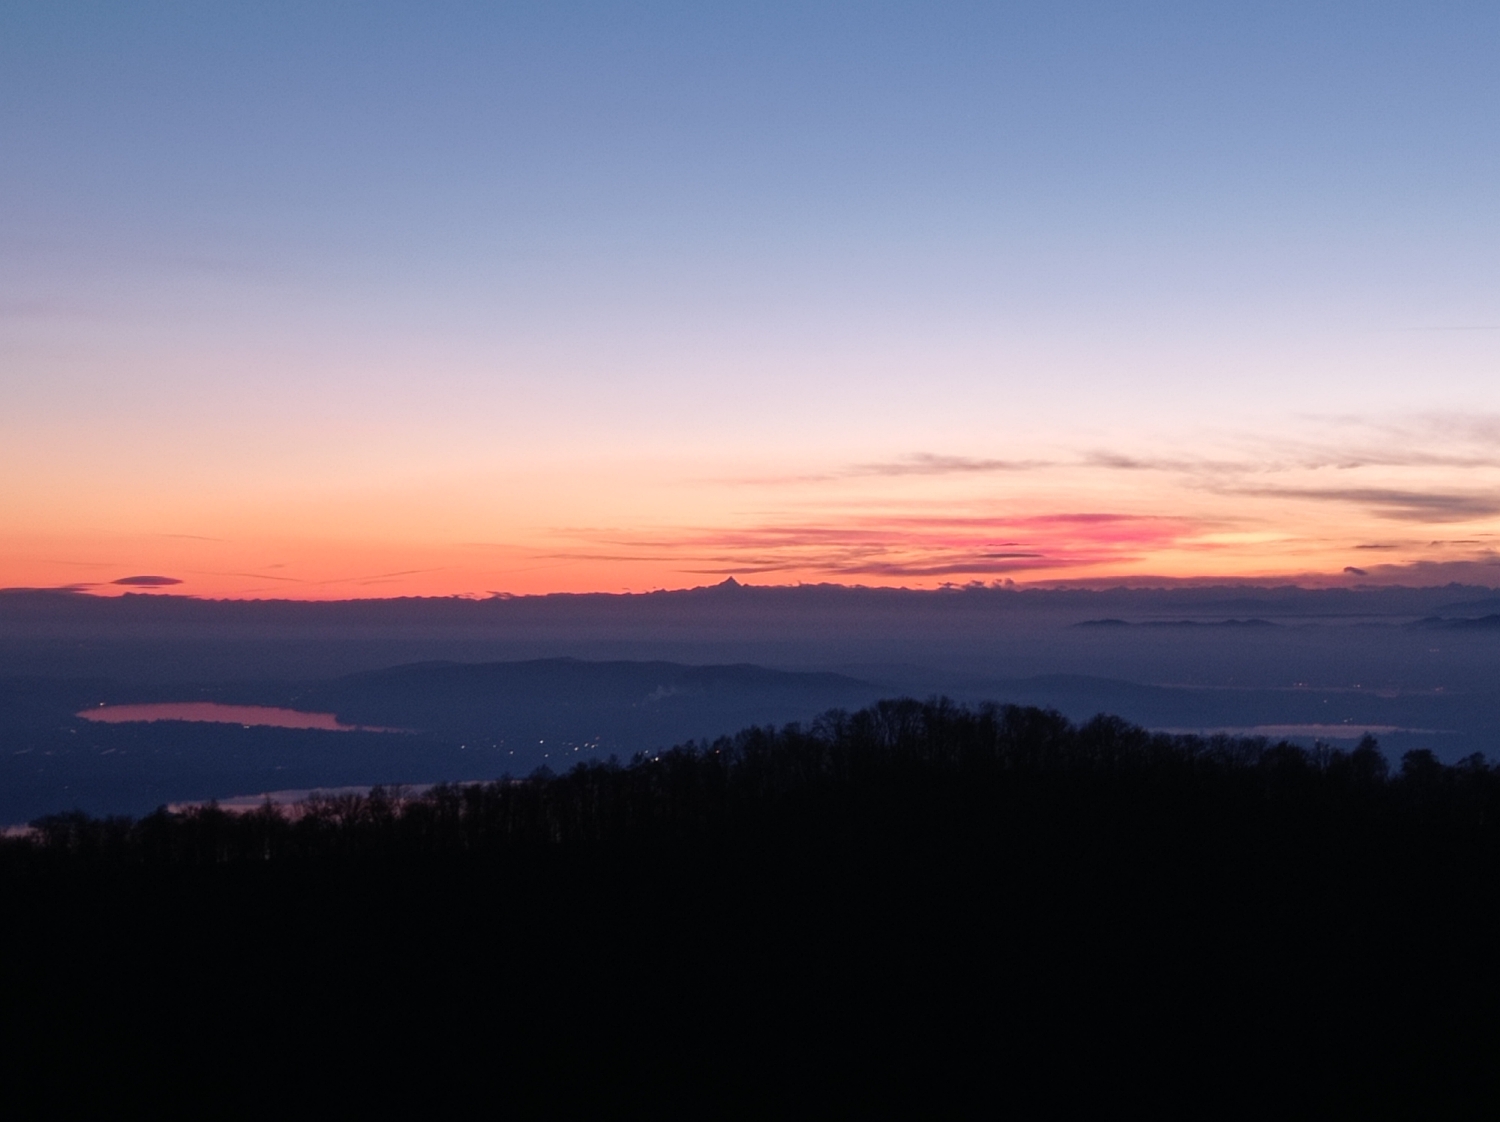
(332, 300)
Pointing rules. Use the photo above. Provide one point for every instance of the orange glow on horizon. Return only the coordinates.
(1423, 513)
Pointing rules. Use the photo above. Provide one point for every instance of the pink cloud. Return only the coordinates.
(918, 546)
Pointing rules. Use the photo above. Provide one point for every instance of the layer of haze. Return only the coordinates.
(350, 300)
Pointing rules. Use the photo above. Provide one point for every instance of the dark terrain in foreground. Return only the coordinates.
(913, 908)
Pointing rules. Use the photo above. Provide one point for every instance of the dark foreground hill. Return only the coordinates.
(914, 908)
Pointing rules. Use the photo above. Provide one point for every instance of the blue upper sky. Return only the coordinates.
(1130, 150)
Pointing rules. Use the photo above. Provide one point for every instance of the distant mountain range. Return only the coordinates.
(1442, 623)
(1177, 623)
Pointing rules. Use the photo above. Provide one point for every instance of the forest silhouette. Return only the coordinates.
(916, 905)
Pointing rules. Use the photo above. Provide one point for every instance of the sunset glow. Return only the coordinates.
(539, 300)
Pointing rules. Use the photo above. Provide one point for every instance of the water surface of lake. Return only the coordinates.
(212, 711)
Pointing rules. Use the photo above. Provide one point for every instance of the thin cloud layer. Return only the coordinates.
(1250, 506)
(927, 463)
(917, 547)
(1409, 506)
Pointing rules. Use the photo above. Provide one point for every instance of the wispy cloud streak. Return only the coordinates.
(1409, 506)
(906, 546)
(927, 463)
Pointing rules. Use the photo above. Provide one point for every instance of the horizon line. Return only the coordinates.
(1133, 584)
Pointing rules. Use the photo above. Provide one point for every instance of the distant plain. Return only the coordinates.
(482, 688)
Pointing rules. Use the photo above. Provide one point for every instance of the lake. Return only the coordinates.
(213, 711)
